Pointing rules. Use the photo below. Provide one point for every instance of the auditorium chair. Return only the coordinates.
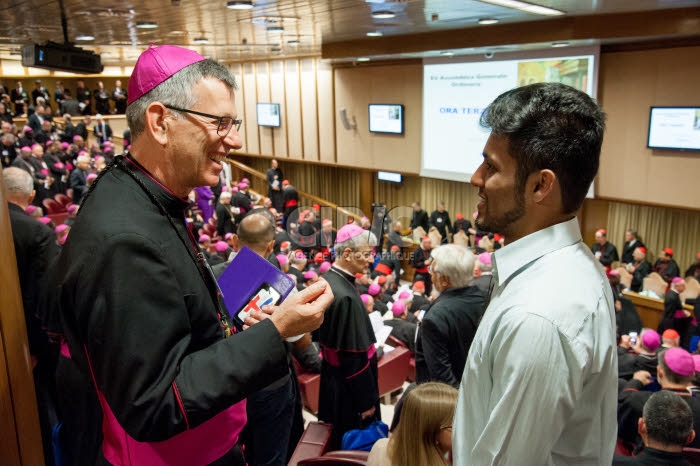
(52, 207)
(64, 200)
(625, 277)
(313, 443)
(692, 288)
(395, 342)
(655, 283)
(338, 458)
(69, 193)
(393, 370)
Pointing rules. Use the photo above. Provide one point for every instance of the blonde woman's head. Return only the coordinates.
(424, 433)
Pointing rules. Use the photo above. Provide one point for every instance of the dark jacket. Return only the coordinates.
(446, 333)
(651, 457)
(78, 182)
(140, 316)
(35, 248)
(71, 107)
(627, 250)
(419, 219)
(404, 331)
(668, 270)
(608, 253)
(441, 221)
(107, 133)
(640, 272)
(224, 222)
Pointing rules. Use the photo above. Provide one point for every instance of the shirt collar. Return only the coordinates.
(511, 258)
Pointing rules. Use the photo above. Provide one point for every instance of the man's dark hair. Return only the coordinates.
(632, 232)
(550, 126)
(668, 418)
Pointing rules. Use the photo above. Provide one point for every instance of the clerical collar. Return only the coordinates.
(344, 273)
(173, 203)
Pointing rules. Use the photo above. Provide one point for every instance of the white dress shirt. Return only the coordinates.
(540, 382)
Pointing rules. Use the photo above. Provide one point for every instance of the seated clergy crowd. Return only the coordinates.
(136, 359)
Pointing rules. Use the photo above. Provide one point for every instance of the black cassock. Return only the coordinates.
(349, 370)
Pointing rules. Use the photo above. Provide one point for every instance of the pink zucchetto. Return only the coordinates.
(221, 246)
(30, 209)
(310, 275)
(91, 176)
(156, 65)
(203, 238)
(404, 295)
(61, 228)
(679, 361)
(227, 236)
(374, 289)
(349, 231)
(398, 308)
(282, 259)
(72, 208)
(484, 258)
(45, 220)
(323, 268)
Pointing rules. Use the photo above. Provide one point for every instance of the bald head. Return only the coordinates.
(257, 232)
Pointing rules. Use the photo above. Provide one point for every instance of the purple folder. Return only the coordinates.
(251, 282)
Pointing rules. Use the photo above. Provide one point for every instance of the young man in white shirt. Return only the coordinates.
(540, 382)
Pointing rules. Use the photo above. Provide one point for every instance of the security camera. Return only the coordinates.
(488, 55)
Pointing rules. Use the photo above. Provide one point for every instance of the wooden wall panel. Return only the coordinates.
(277, 95)
(309, 108)
(16, 381)
(294, 122)
(630, 83)
(251, 140)
(355, 89)
(262, 75)
(326, 113)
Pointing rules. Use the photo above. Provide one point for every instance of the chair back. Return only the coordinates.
(52, 207)
(418, 234)
(461, 239)
(692, 288)
(338, 458)
(435, 237)
(625, 277)
(62, 199)
(691, 455)
(655, 283)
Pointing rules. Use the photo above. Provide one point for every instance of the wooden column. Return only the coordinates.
(367, 192)
(20, 436)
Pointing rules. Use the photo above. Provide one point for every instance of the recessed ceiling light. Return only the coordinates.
(200, 40)
(447, 54)
(275, 49)
(526, 7)
(293, 42)
(275, 29)
(560, 44)
(263, 20)
(84, 37)
(375, 34)
(105, 54)
(362, 59)
(383, 14)
(485, 21)
(240, 4)
(146, 25)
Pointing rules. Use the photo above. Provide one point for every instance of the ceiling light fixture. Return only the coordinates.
(84, 37)
(200, 40)
(275, 29)
(375, 34)
(239, 4)
(560, 44)
(526, 7)
(485, 21)
(383, 14)
(293, 42)
(146, 25)
(362, 59)
(447, 54)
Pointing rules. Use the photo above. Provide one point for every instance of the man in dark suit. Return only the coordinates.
(224, 222)
(20, 98)
(419, 217)
(274, 178)
(421, 262)
(78, 178)
(440, 219)
(675, 316)
(449, 325)
(35, 247)
(39, 91)
(639, 268)
(604, 251)
(631, 243)
(81, 129)
(325, 239)
(119, 96)
(82, 94)
(102, 130)
(101, 99)
(402, 329)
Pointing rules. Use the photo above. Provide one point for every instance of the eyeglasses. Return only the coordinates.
(225, 122)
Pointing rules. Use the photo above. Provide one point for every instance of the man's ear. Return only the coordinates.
(641, 427)
(157, 122)
(269, 248)
(234, 240)
(31, 196)
(542, 183)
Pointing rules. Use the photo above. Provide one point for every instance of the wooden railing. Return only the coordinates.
(257, 174)
(650, 309)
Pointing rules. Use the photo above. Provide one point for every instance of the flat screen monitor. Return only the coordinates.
(268, 114)
(389, 176)
(386, 118)
(674, 128)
